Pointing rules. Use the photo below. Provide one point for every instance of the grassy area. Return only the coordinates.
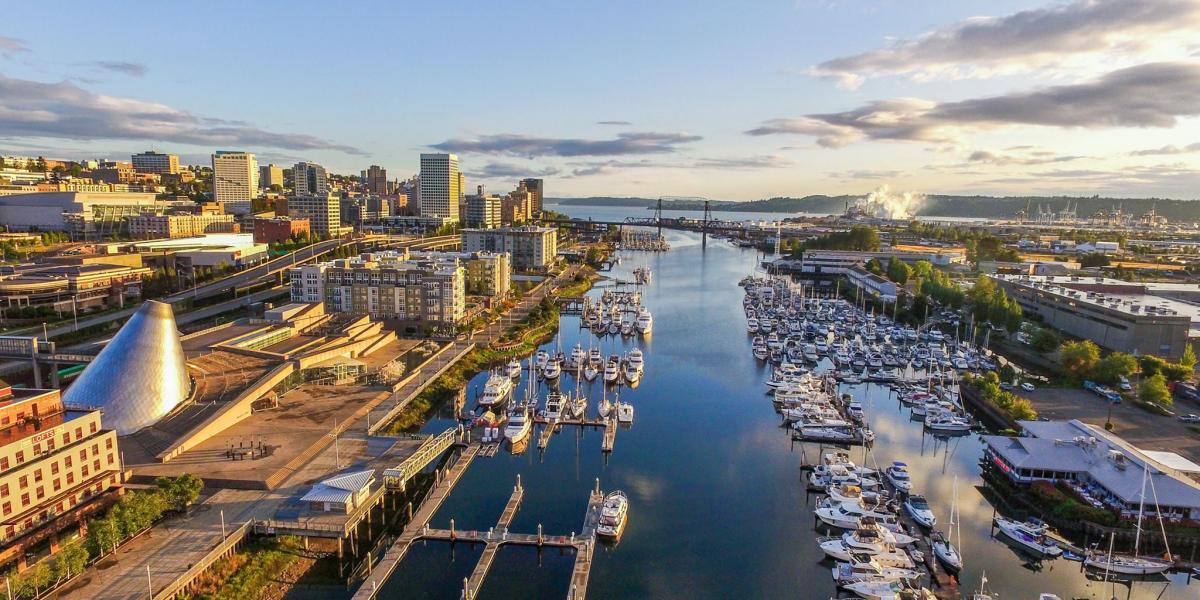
(247, 574)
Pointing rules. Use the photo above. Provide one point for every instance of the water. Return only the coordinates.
(718, 507)
(618, 213)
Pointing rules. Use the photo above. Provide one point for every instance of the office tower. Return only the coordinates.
(324, 213)
(310, 179)
(235, 180)
(535, 188)
(376, 180)
(154, 162)
(270, 175)
(483, 211)
(439, 186)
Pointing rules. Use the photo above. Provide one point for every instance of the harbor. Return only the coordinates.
(708, 464)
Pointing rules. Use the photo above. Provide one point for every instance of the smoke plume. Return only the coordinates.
(883, 203)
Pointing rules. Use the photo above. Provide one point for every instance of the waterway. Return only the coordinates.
(719, 508)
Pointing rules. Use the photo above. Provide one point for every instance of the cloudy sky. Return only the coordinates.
(700, 98)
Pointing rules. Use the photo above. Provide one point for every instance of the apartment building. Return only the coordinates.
(386, 286)
(146, 227)
(483, 211)
(440, 186)
(324, 213)
(531, 248)
(155, 162)
(487, 273)
(278, 229)
(57, 468)
(310, 179)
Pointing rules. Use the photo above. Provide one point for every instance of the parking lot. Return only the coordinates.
(1140, 427)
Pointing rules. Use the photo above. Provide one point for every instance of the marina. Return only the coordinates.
(706, 444)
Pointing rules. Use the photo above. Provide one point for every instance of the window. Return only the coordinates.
(84, 470)
(20, 456)
(83, 454)
(4, 490)
(50, 444)
(57, 484)
(54, 468)
(108, 444)
(7, 508)
(25, 499)
(96, 465)
(24, 481)
(4, 464)
(41, 492)
(78, 433)
(70, 478)
(37, 474)
(95, 449)
(67, 461)
(37, 449)
(110, 458)
(66, 438)
(92, 427)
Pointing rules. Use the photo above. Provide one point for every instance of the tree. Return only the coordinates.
(922, 269)
(70, 560)
(898, 271)
(1154, 390)
(1095, 259)
(1188, 360)
(1046, 340)
(180, 492)
(1111, 368)
(1078, 358)
(1007, 373)
(875, 266)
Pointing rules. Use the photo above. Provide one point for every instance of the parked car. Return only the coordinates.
(1004, 385)
(1027, 386)
(1189, 418)
(1125, 385)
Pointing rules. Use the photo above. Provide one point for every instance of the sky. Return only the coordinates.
(715, 99)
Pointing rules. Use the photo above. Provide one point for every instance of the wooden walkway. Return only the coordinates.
(547, 431)
(550, 427)
(412, 532)
(610, 434)
(475, 581)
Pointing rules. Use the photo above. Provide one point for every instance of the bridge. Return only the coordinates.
(705, 225)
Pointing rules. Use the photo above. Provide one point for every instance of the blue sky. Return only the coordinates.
(717, 99)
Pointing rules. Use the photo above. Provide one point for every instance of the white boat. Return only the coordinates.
(1126, 564)
(637, 359)
(590, 372)
(624, 412)
(850, 515)
(555, 403)
(575, 408)
(897, 476)
(595, 358)
(1030, 534)
(846, 573)
(513, 369)
(614, 513)
(496, 390)
(578, 356)
(552, 370)
(541, 358)
(520, 422)
(945, 422)
(944, 548)
(918, 508)
(837, 549)
(612, 370)
(888, 590)
(645, 322)
(631, 373)
(604, 408)
(752, 325)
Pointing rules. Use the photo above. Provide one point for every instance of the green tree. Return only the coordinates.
(874, 266)
(70, 560)
(898, 271)
(1095, 259)
(1154, 390)
(1078, 358)
(1046, 340)
(180, 492)
(1007, 373)
(1111, 368)
(922, 269)
(1188, 360)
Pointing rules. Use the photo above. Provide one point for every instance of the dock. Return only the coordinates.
(549, 428)
(475, 581)
(547, 431)
(610, 434)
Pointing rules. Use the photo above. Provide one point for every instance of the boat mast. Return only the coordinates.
(1162, 526)
(1137, 537)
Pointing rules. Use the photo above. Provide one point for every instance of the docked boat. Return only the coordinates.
(943, 548)
(836, 548)
(595, 358)
(624, 412)
(918, 508)
(889, 590)
(541, 358)
(1030, 535)
(1132, 564)
(645, 321)
(897, 476)
(631, 373)
(590, 372)
(513, 369)
(576, 407)
(555, 403)
(857, 571)
(520, 422)
(496, 390)
(612, 369)
(552, 370)
(946, 422)
(636, 359)
(850, 515)
(614, 513)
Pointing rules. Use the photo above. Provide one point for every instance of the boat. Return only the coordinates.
(836, 548)
(860, 570)
(897, 476)
(624, 412)
(1132, 564)
(917, 507)
(496, 390)
(552, 370)
(612, 370)
(889, 590)
(645, 322)
(1030, 535)
(943, 547)
(595, 358)
(614, 513)
(555, 403)
(520, 422)
(575, 408)
(541, 358)
(604, 408)
(590, 372)
(637, 359)
(513, 369)
(946, 422)
(631, 373)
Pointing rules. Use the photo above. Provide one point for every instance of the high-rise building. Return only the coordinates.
(154, 162)
(535, 188)
(483, 211)
(532, 248)
(310, 179)
(376, 180)
(235, 180)
(324, 213)
(516, 207)
(270, 175)
(439, 186)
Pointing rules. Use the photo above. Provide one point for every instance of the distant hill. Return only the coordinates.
(936, 205)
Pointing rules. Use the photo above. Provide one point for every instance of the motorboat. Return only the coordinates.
(889, 590)
(590, 372)
(555, 402)
(552, 370)
(612, 370)
(631, 373)
(836, 548)
(897, 476)
(918, 508)
(645, 322)
(624, 412)
(496, 390)
(637, 359)
(865, 568)
(595, 357)
(541, 358)
(946, 422)
(520, 422)
(578, 356)
(614, 513)
(752, 325)
(850, 515)
(1030, 535)
(513, 369)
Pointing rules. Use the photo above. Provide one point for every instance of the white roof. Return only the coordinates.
(1172, 460)
(340, 488)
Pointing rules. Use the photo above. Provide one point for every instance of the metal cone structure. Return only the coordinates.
(139, 376)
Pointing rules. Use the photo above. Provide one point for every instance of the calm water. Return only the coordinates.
(719, 509)
(618, 213)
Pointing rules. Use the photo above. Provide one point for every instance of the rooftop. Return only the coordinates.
(1127, 303)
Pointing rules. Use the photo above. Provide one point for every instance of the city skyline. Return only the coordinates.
(1012, 97)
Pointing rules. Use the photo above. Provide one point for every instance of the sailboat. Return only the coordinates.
(945, 551)
(1126, 564)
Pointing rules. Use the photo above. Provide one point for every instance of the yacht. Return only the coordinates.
(552, 370)
(837, 549)
(1029, 534)
(595, 358)
(752, 325)
(645, 322)
(520, 422)
(849, 515)
(631, 373)
(918, 508)
(541, 358)
(624, 412)
(897, 475)
(554, 405)
(513, 369)
(613, 515)
(612, 370)
(496, 390)
(946, 422)
(943, 548)
(889, 590)
(847, 573)
(590, 372)
(637, 359)
(578, 356)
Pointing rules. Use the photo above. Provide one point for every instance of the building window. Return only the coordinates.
(57, 484)
(108, 444)
(66, 438)
(110, 458)
(95, 449)
(37, 474)
(83, 454)
(96, 465)
(7, 508)
(54, 468)
(4, 464)
(84, 470)
(37, 449)
(78, 433)
(92, 427)
(20, 456)
(24, 481)
(4, 490)
(67, 461)
(41, 492)
(70, 478)
(25, 499)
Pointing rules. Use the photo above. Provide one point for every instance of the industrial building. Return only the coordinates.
(531, 248)
(838, 262)
(58, 467)
(85, 215)
(1117, 315)
(872, 285)
(1102, 468)
(145, 227)
(278, 229)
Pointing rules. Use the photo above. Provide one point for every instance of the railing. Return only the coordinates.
(229, 543)
(398, 476)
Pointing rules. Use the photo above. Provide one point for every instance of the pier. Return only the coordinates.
(550, 427)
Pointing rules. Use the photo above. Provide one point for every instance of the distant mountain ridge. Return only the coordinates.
(935, 205)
